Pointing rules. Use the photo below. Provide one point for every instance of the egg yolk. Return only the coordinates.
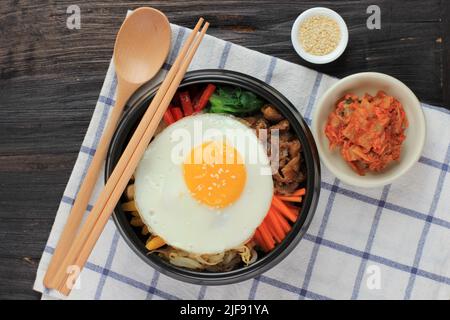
(214, 174)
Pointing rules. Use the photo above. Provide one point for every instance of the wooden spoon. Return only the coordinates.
(141, 48)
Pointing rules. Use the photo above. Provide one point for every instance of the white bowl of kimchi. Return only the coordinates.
(369, 128)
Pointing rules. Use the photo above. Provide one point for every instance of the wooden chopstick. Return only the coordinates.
(84, 193)
(118, 181)
(60, 273)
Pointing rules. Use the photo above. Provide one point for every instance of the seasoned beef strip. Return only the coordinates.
(271, 114)
(283, 125)
(289, 174)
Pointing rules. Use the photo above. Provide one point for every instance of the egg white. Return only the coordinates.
(166, 206)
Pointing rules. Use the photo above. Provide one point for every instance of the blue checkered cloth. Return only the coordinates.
(381, 243)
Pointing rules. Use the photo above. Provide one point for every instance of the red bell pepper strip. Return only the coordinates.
(186, 103)
(209, 90)
(168, 117)
(176, 113)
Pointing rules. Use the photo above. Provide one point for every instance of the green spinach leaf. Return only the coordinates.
(234, 100)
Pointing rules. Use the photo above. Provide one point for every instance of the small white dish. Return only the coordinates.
(319, 11)
(359, 84)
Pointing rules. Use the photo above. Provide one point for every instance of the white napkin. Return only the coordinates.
(381, 243)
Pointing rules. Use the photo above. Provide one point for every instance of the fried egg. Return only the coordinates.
(204, 184)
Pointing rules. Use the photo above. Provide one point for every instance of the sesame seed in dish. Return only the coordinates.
(319, 35)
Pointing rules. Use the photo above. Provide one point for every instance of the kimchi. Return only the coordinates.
(369, 131)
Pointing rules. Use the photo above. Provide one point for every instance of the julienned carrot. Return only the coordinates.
(168, 117)
(274, 227)
(155, 243)
(277, 203)
(299, 192)
(294, 209)
(176, 113)
(256, 237)
(278, 230)
(290, 198)
(266, 236)
(272, 231)
(186, 103)
(259, 240)
(282, 221)
(209, 90)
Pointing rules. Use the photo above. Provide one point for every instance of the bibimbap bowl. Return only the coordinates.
(310, 160)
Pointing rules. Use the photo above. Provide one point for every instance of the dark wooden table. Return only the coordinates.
(51, 77)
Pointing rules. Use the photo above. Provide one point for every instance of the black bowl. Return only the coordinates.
(136, 108)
